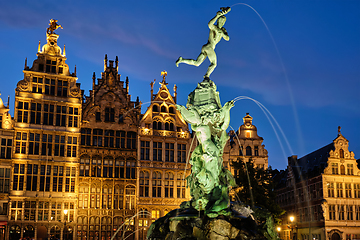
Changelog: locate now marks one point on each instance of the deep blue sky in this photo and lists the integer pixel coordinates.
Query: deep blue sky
(318, 42)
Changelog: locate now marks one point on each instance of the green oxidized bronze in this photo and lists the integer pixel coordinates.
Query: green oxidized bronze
(209, 181)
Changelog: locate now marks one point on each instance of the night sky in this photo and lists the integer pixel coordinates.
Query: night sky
(305, 70)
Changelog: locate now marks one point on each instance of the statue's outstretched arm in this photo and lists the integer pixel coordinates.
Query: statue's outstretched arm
(190, 115)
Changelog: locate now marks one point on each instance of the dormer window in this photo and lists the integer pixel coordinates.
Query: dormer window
(50, 66)
(155, 108)
(109, 115)
(163, 109)
(341, 153)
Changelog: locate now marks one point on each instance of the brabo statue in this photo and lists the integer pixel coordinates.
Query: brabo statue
(217, 32)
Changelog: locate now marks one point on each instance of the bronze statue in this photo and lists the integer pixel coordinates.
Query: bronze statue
(53, 26)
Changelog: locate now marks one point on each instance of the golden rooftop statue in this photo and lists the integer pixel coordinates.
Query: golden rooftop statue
(53, 26)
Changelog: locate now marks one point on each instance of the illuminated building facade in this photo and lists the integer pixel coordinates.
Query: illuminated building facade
(6, 147)
(321, 191)
(163, 146)
(44, 162)
(245, 144)
(107, 171)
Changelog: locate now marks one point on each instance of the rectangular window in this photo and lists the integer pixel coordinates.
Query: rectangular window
(335, 168)
(109, 138)
(157, 151)
(62, 88)
(130, 170)
(331, 212)
(60, 116)
(71, 146)
(357, 212)
(97, 137)
(73, 117)
(341, 211)
(181, 153)
(70, 179)
(350, 213)
(348, 190)
(34, 143)
(23, 112)
(50, 86)
(86, 136)
(169, 152)
(120, 139)
(46, 145)
(131, 140)
(35, 114)
(59, 149)
(21, 142)
(350, 169)
(4, 180)
(331, 190)
(256, 150)
(339, 190)
(6, 148)
(37, 84)
(45, 172)
(32, 177)
(18, 178)
(145, 150)
(109, 115)
(48, 115)
(356, 190)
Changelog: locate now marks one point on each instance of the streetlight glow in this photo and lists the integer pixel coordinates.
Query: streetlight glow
(65, 212)
(292, 218)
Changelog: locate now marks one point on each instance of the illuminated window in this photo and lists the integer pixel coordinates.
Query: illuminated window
(23, 112)
(45, 172)
(71, 146)
(157, 151)
(331, 212)
(356, 190)
(145, 150)
(156, 184)
(29, 210)
(169, 185)
(181, 153)
(21, 141)
(180, 185)
(70, 179)
(58, 173)
(85, 166)
(144, 183)
(106, 197)
(341, 153)
(348, 190)
(43, 211)
(34, 143)
(130, 169)
(357, 212)
(248, 134)
(108, 167)
(130, 197)
(35, 114)
(96, 165)
(155, 214)
(118, 198)
(16, 210)
(341, 212)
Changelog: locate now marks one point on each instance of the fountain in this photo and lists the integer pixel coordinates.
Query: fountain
(209, 214)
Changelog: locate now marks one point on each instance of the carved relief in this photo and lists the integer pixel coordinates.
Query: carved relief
(24, 85)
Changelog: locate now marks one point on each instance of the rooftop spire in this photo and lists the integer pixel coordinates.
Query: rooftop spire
(117, 63)
(64, 53)
(105, 62)
(164, 74)
(39, 47)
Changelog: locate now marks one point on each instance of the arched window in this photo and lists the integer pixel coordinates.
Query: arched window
(342, 170)
(156, 184)
(83, 196)
(108, 167)
(155, 108)
(157, 125)
(96, 166)
(172, 127)
(144, 183)
(171, 109)
(167, 126)
(163, 109)
(341, 153)
(130, 197)
(29, 231)
(248, 151)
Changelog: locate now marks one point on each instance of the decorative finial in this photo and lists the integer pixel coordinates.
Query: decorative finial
(175, 92)
(127, 84)
(64, 53)
(152, 89)
(117, 63)
(25, 63)
(75, 70)
(53, 26)
(93, 78)
(39, 47)
(164, 74)
(105, 62)
(339, 129)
